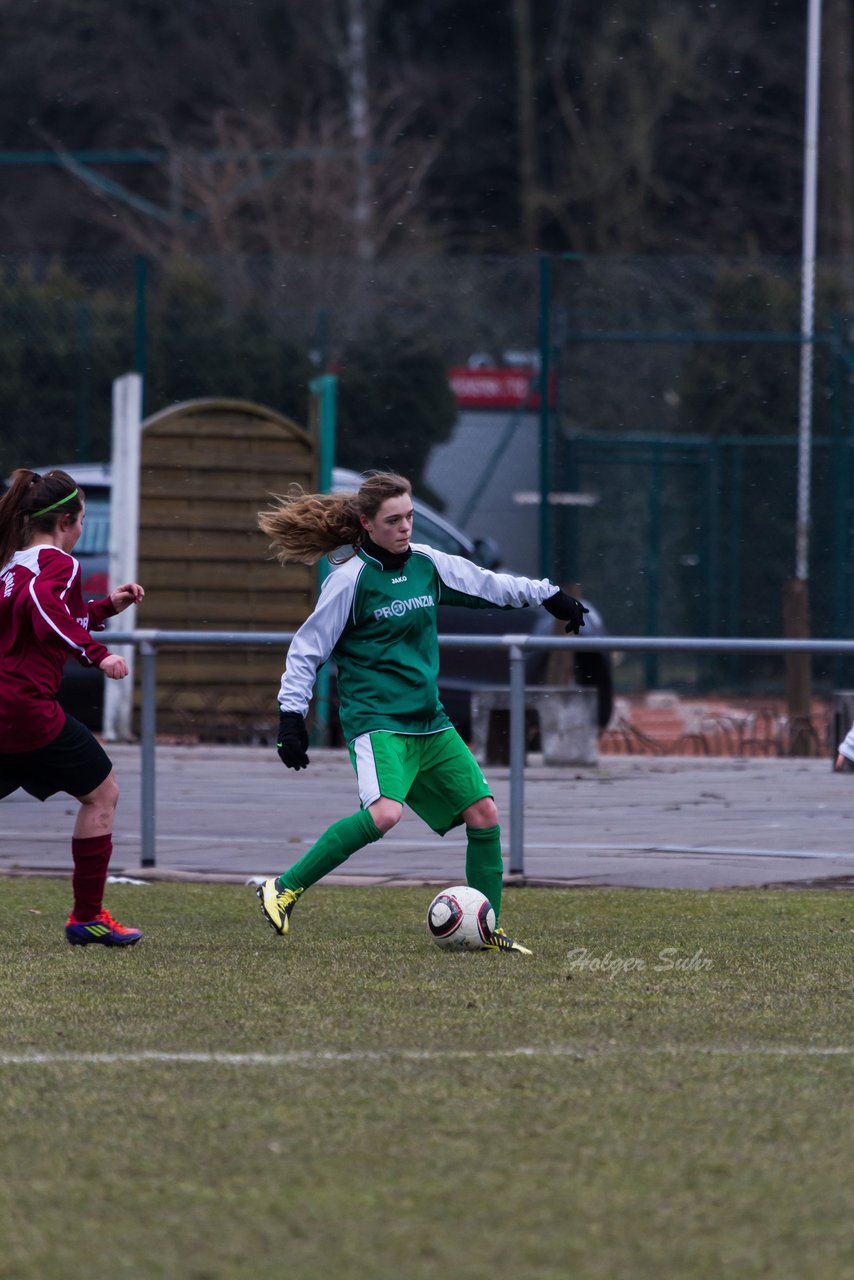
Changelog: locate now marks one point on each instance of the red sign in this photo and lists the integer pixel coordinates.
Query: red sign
(498, 388)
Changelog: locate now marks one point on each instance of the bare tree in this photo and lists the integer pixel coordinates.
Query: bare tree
(356, 126)
(656, 125)
(608, 103)
(243, 190)
(355, 66)
(836, 189)
(530, 196)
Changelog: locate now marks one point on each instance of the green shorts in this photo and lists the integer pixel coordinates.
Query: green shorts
(434, 773)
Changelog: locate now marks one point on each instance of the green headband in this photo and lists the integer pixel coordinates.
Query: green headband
(35, 514)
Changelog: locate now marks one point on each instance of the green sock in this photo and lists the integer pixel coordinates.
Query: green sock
(484, 864)
(334, 847)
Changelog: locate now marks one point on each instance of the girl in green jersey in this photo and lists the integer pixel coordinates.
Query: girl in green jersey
(376, 616)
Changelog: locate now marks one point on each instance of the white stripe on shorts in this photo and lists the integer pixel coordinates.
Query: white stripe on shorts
(366, 770)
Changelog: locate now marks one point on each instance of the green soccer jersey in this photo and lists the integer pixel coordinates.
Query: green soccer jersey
(380, 626)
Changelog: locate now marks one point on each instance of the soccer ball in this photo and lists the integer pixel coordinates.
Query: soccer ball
(460, 919)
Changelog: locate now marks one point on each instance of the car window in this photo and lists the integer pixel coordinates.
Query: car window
(426, 530)
(95, 538)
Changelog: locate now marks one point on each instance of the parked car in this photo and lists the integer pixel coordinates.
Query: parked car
(462, 669)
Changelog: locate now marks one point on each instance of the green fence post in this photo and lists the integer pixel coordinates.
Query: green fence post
(842, 434)
(566, 522)
(545, 459)
(572, 524)
(140, 358)
(326, 389)
(846, 518)
(713, 559)
(325, 392)
(732, 663)
(84, 389)
(653, 566)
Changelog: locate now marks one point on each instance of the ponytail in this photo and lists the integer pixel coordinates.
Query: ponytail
(34, 503)
(302, 527)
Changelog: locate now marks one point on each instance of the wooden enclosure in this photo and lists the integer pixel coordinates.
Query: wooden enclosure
(207, 468)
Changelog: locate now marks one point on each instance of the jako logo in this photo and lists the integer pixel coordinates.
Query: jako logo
(8, 581)
(398, 608)
(402, 578)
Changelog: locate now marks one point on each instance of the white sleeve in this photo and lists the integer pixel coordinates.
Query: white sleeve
(846, 746)
(317, 637)
(500, 589)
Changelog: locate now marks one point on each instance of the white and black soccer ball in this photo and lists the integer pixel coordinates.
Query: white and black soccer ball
(460, 919)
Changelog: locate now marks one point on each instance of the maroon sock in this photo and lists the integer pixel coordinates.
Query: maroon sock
(91, 859)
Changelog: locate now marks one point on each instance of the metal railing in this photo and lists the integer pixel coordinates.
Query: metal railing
(148, 642)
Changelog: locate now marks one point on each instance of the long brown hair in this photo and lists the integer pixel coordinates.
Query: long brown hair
(303, 527)
(31, 493)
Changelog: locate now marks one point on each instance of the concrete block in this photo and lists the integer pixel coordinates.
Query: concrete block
(567, 723)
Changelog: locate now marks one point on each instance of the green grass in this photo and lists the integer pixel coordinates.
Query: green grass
(667, 1122)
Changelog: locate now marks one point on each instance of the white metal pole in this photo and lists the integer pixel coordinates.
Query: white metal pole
(808, 289)
(124, 540)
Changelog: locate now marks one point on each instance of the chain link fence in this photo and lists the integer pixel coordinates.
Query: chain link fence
(666, 446)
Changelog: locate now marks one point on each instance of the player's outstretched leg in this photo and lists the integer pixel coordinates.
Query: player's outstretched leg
(344, 837)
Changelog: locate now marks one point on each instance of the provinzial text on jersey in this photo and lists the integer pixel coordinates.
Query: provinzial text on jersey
(398, 608)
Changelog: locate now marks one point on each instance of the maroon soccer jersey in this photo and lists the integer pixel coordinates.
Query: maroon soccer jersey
(43, 621)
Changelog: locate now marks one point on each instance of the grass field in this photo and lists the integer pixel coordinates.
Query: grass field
(664, 1089)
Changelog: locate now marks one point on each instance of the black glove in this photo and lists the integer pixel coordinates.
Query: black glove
(567, 609)
(292, 742)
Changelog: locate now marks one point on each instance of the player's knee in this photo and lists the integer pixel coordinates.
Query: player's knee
(483, 813)
(103, 799)
(111, 793)
(386, 814)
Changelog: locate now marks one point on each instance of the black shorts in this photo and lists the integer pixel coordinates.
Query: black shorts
(74, 762)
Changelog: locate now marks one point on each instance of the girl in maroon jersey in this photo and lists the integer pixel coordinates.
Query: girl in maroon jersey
(44, 620)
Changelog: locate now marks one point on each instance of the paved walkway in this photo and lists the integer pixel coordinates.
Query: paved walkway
(235, 812)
